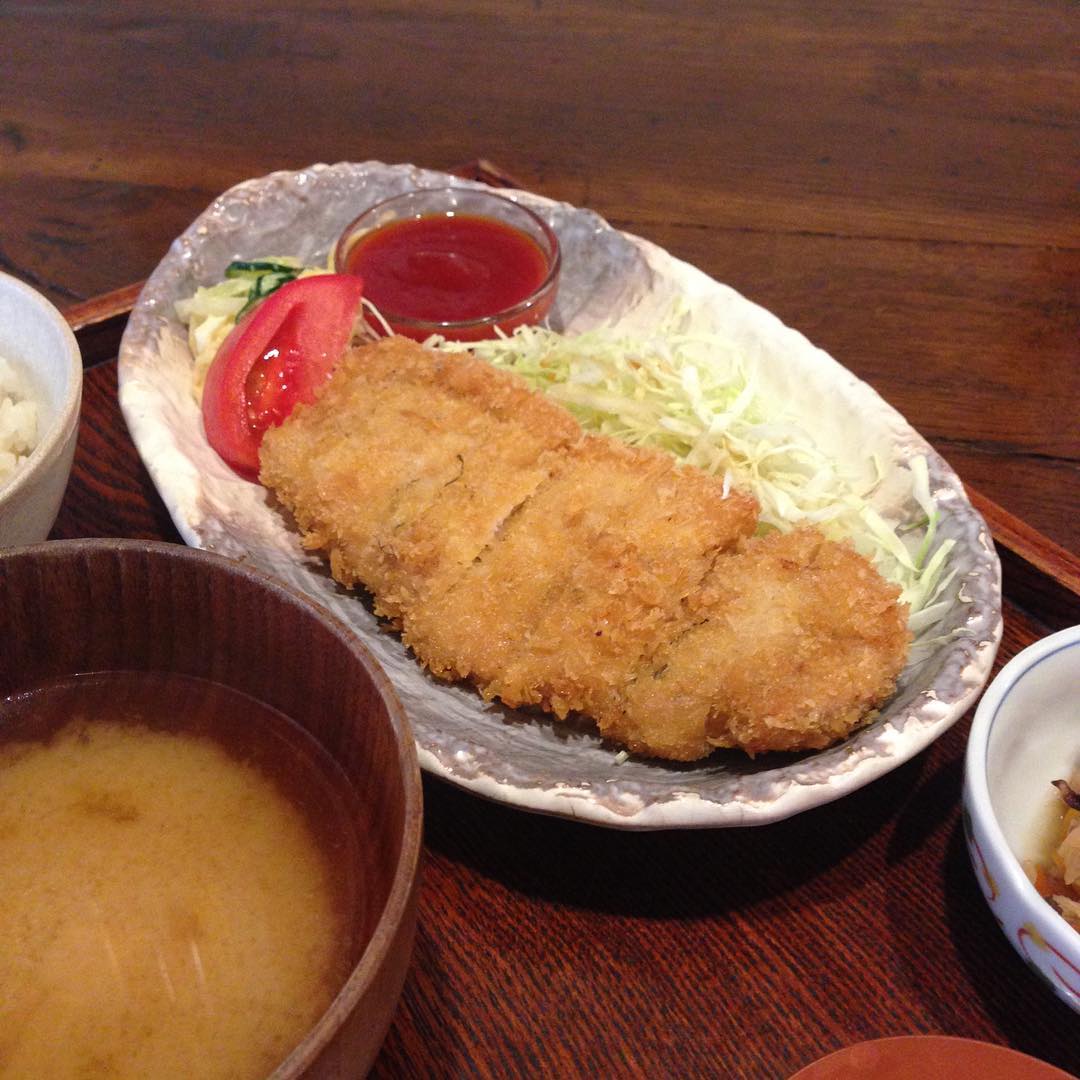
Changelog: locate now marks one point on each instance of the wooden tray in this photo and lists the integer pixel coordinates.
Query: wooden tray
(548, 948)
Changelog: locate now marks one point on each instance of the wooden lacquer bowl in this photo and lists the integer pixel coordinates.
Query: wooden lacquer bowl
(69, 607)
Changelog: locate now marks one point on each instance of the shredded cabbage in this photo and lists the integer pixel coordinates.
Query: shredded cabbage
(692, 395)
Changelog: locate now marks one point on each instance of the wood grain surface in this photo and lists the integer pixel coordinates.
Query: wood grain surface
(898, 180)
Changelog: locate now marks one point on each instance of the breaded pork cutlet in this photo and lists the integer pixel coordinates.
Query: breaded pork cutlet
(408, 464)
(789, 645)
(575, 573)
(586, 577)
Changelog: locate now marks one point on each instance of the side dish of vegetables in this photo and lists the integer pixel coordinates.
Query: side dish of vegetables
(1057, 878)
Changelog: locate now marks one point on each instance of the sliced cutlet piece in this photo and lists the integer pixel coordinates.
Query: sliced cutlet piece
(408, 461)
(793, 642)
(587, 577)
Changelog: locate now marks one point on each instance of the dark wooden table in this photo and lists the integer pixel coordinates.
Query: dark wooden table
(896, 179)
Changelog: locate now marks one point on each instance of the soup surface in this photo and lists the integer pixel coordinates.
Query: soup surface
(177, 868)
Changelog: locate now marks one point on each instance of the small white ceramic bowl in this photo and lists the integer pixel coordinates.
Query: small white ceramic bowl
(1026, 734)
(35, 337)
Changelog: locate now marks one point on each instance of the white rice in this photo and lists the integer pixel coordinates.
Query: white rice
(18, 419)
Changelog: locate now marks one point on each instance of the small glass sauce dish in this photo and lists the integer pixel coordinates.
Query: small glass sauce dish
(461, 262)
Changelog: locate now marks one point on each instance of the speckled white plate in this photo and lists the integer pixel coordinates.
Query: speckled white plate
(527, 760)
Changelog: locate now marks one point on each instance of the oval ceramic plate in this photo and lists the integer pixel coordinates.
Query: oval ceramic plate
(524, 759)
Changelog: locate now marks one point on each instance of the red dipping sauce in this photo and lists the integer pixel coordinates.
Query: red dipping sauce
(462, 274)
(439, 268)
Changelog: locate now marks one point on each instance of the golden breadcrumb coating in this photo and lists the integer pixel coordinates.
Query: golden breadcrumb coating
(405, 467)
(587, 576)
(790, 645)
(577, 574)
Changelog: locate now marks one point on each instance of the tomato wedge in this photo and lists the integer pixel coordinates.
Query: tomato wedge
(276, 357)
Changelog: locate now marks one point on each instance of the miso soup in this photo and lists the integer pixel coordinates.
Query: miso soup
(179, 867)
